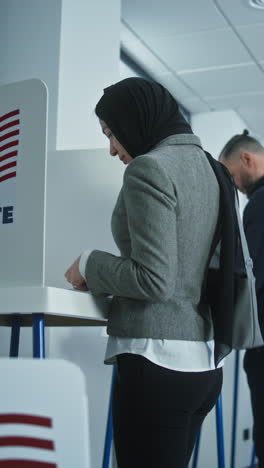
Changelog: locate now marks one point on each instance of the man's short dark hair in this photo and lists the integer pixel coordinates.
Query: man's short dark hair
(239, 143)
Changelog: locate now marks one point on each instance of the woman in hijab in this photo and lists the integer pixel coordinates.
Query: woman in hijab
(160, 334)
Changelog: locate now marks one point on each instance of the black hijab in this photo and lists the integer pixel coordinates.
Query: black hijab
(140, 114)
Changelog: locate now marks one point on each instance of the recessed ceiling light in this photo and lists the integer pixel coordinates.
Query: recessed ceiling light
(257, 4)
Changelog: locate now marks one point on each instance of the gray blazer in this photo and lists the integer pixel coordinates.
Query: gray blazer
(163, 224)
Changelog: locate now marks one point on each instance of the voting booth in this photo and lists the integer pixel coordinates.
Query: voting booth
(25, 299)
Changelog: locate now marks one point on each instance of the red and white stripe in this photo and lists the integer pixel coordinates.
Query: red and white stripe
(9, 141)
(26, 441)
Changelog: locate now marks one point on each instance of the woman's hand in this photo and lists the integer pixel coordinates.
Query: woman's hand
(74, 277)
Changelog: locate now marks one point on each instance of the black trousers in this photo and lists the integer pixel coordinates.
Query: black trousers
(157, 412)
(254, 368)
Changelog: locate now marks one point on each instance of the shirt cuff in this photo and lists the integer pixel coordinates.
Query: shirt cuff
(83, 260)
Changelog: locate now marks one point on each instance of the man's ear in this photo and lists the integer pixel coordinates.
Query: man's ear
(247, 159)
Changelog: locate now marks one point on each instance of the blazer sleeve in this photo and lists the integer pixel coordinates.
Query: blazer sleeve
(149, 273)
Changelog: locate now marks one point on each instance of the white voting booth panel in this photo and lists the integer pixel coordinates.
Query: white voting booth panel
(23, 115)
(23, 137)
(43, 414)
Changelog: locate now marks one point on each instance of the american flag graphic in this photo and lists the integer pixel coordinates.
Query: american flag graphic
(22, 433)
(9, 140)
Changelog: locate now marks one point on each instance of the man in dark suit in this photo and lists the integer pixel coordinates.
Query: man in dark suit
(244, 158)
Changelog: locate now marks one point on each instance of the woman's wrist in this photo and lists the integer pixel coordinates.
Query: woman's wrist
(83, 261)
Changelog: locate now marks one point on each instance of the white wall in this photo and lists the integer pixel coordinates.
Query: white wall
(30, 47)
(215, 129)
(89, 61)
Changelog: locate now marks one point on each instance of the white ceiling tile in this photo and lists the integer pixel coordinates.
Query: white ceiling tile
(175, 86)
(258, 111)
(190, 47)
(253, 36)
(219, 103)
(155, 18)
(240, 13)
(238, 101)
(195, 106)
(139, 52)
(144, 58)
(206, 49)
(214, 83)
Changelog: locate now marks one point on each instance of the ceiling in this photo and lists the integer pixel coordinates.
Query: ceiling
(208, 53)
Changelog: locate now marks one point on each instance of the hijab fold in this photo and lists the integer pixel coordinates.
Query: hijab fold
(140, 113)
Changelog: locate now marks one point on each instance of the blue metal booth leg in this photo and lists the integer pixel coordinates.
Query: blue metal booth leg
(253, 457)
(235, 403)
(38, 336)
(109, 427)
(220, 433)
(15, 335)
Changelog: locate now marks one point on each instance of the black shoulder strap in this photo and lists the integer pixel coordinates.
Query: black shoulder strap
(224, 230)
(217, 235)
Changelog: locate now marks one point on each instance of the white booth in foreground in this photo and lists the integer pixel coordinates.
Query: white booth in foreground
(45, 423)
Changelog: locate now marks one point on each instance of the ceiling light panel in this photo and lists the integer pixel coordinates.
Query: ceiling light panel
(257, 4)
